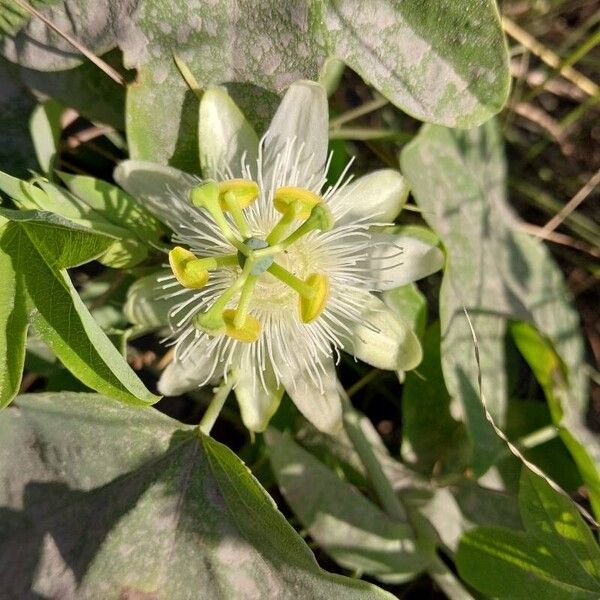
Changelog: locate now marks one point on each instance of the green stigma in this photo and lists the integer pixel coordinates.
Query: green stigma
(254, 256)
(261, 264)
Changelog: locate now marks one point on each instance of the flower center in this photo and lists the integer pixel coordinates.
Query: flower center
(256, 257)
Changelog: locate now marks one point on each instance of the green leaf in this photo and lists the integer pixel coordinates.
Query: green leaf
(45, 129)
(497, 273)
(36, 248)
(445, 63)
(115, 205)
(107, 211)
(17, 154)
(13, 327)
(84, 88)
(555, 558)
(462, 506)
(550, 371)
(409, 304)
(149, 507)
(530, 425)
(96, 24)
(432, 439)
(350, 528)
(13, 17)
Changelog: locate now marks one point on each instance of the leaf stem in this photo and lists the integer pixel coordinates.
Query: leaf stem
(359, 111)
(188, 76)
(366, 133)
(216, 404)
(383, 488)
(447, 580)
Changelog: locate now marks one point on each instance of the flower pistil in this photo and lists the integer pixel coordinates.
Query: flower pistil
(254, 256)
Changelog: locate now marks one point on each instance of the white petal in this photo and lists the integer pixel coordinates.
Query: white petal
(145, 305)
(163, 190)
(224, 135)
(397, 259)
(301, 119)
(143, 179)
(257, 404)
(321, 406)
(383, 339)
(378, 196)
(181, 376)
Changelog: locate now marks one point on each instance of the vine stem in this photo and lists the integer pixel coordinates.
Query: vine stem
(355, 113)
(447, 580)
(216, 404)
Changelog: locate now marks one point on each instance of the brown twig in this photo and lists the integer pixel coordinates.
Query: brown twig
(166, 359)
(545, 121)
(112, 73)
(572, 204)
(549, 57)
(560, 238)
(81, 137)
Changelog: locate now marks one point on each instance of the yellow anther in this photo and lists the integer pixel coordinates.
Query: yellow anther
(245, 192)
(304, 199)
(190, 271)
(313, 304)
(248, 331)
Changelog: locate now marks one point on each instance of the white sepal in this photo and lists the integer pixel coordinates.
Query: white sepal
(298, 130)
(224, 136)
(378, 197)
(320, 405)
(396, 259)
(381, 338)
(258, 397)
(146, 305)
(181, 376)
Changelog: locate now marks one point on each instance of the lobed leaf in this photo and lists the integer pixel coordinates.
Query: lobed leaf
(149, 507)
(35, 249)
(99, 206)
(556, 557)
(350, 528)
(550, 372)
(497, 273)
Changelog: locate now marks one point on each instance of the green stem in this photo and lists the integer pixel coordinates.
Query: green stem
(216, 404)
(238, 214)
(360, 384)
(282, 226)
(447, 580)
(383, 488)
(188, 77)
(290, 279)
(244, 302)
(357, 112)
(366, 133)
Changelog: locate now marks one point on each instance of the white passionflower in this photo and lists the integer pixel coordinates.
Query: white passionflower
(273, 273)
